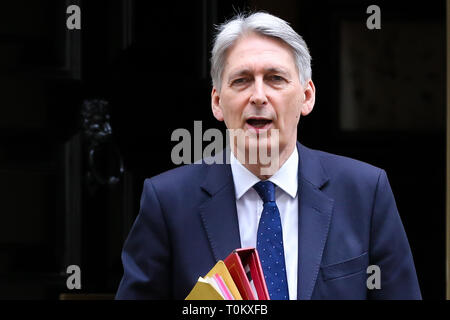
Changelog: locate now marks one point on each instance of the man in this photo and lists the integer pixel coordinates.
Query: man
(318, 220)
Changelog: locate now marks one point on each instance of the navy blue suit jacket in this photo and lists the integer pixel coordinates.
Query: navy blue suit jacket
(348, 220)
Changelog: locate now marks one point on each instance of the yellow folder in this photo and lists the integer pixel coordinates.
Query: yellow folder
(222, 270)
(203, 290)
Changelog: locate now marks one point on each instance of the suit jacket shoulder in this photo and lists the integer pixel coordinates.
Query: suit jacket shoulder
(343, 168)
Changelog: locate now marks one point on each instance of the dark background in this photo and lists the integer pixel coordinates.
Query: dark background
(149, 60)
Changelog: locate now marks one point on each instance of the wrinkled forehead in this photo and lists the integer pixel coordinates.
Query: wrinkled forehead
(251, 49)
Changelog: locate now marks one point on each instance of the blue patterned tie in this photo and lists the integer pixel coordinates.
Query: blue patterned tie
(270, 243)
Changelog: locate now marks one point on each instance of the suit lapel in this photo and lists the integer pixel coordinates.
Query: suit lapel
(315, 211)
(218, 212)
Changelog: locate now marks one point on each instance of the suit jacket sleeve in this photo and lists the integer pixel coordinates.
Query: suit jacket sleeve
(389, 248)
(145, 256)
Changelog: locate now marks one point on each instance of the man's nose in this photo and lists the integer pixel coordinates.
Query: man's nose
(258, 97)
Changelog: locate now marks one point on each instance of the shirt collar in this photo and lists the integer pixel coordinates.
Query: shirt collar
(285, 177)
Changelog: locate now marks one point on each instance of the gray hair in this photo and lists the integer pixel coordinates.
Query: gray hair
(264, 24)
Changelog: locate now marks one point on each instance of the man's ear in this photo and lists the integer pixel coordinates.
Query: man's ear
(309, 98)
(215, 105)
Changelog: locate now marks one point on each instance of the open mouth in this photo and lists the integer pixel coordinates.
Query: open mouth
(259, 123)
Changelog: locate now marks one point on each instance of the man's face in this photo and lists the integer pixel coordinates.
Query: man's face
(261, 90)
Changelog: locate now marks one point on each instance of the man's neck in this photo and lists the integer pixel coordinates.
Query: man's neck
(257, 168)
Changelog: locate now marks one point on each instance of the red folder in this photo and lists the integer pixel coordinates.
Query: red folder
(236, 263)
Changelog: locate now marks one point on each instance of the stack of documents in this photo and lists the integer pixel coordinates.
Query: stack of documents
(238, 277)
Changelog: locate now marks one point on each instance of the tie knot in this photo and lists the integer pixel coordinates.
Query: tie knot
(266, 190)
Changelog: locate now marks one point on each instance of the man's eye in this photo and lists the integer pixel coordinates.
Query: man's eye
(276, 78)
(240, 81)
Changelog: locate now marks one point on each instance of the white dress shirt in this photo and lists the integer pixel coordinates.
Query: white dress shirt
(249, 208)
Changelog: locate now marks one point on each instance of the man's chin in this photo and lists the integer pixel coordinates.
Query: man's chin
(259, 150)
(256, 147)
